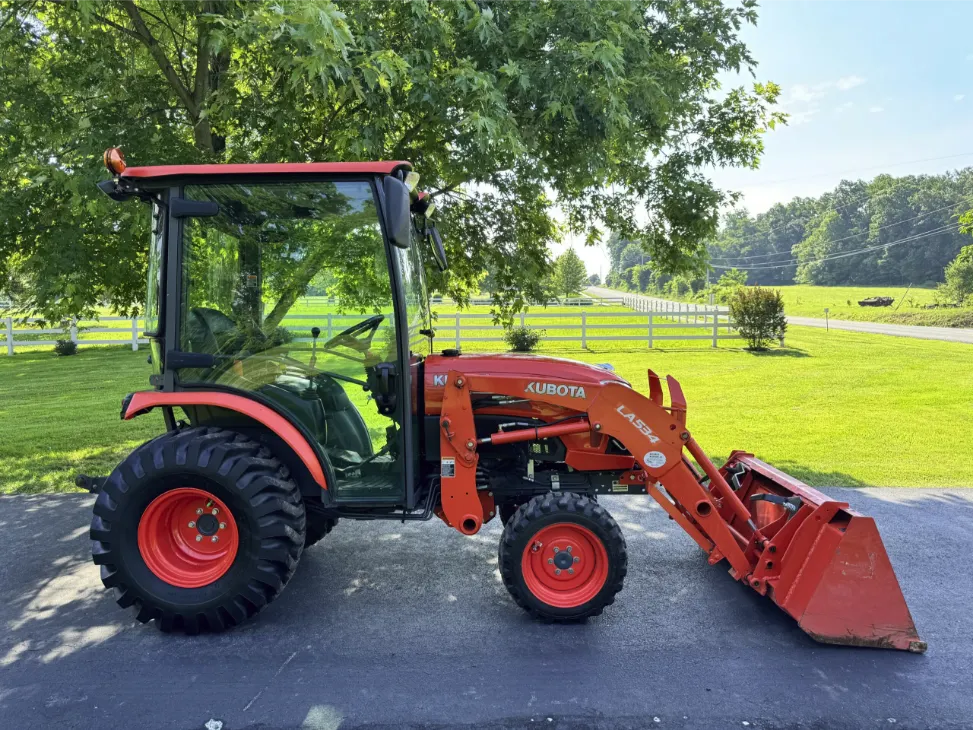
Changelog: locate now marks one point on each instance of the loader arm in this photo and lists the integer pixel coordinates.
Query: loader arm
(819, 561)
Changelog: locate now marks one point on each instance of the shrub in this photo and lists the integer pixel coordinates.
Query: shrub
(64, 348)
(758, 315)
(522, 339)
(958, 288)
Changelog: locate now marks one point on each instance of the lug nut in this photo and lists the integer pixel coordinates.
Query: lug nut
(556, 550)
(569, 548)
(222, 525)
(571, 571)
(550, 561)
(199, 511)
(557, 572)
(199, 538)
(215, 538)
(577, 560)
(192, 524)
(215, 511)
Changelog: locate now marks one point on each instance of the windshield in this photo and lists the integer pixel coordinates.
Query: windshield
(289, 289)
(278, 262)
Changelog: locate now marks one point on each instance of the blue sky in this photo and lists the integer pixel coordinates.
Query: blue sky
(871, 87)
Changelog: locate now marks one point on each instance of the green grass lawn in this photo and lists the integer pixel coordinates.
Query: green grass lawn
(836, 408)
(810, 301)
(842, 301)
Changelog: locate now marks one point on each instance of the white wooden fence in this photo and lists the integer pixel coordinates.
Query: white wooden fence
(130, 333)
(647, 325)
(584, 327)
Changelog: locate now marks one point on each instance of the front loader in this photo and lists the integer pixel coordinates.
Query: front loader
(273, 435)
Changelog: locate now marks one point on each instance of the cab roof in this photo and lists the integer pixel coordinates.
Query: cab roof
(272, 168)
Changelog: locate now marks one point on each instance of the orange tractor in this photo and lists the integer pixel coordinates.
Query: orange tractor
(273, 434)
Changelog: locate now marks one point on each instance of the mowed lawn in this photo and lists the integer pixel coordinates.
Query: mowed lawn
(909, 306)
(836, 408)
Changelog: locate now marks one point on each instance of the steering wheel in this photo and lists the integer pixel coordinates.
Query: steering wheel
(351, 336)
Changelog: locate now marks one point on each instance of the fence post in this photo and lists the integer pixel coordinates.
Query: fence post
(716, 326)
(74, 331)
(521, 319)
(650, 330)
(457, 330)
(135, 334)
(584, 332)
(10, 335)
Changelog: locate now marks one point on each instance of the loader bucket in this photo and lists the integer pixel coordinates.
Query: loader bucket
(820, 561)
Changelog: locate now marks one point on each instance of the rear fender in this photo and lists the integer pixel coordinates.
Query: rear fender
(143, 401)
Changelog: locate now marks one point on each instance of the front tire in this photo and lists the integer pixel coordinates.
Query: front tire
(198, 529)
(563, 557)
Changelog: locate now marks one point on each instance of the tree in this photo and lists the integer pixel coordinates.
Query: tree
(594, 280)
(484, 98)
(958, 287)
(570, 276)
(894, 231)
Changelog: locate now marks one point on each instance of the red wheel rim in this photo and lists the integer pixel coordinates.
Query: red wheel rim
(176, 537)
(565, 565)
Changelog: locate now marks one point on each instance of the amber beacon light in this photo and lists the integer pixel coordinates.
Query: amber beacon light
(114, 160)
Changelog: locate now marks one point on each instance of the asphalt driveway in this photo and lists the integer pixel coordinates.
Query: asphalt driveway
(391, 625)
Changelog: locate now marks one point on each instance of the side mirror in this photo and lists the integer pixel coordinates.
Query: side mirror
(438, 250)
(397, 217)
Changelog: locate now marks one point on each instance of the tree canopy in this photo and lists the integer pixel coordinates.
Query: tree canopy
(885, 231)
(890, 230)
(570, 276)
(505, 109)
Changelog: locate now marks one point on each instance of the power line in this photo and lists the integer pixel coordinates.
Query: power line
(727, 259)
(836, 207)
(879, 196)
(832, 257)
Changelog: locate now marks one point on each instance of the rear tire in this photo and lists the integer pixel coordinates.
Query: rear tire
(146, 516)
(563, 557)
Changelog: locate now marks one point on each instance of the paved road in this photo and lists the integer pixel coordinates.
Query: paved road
(949, 334)
(390, 625)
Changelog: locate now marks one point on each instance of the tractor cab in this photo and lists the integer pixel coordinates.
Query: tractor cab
(301, 288)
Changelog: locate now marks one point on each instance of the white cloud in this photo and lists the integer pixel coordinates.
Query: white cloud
(798, 118)
(805, 93)
(849, 82)
(843, 107)
(959, 97)
(876, 109)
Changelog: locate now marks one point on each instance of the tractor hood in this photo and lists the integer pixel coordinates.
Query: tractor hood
(531, 366)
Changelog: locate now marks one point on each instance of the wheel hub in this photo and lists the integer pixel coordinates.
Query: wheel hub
(207, 525)
(563, 560)
(565, 565)
(187, 537)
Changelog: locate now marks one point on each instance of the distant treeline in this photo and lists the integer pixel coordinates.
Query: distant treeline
(839, 238)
